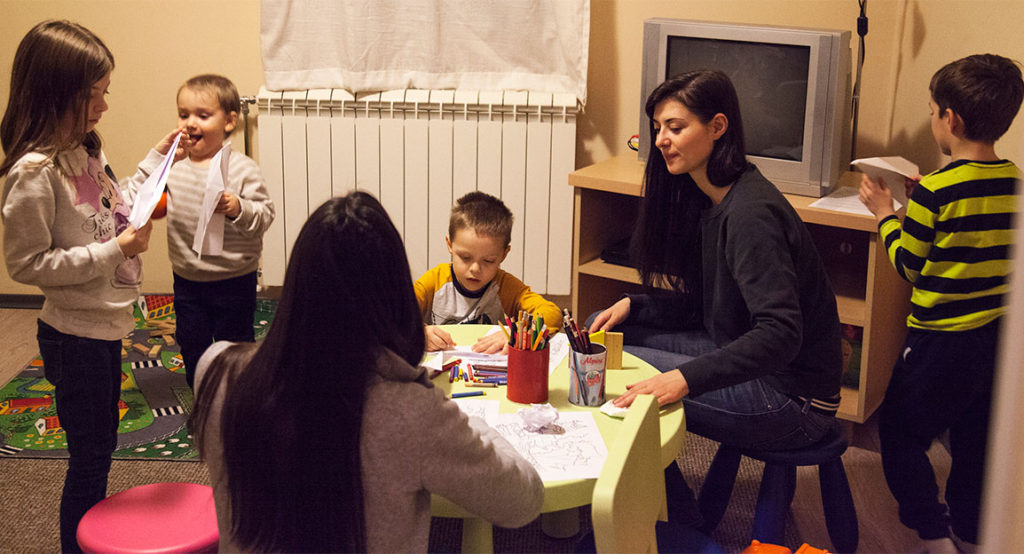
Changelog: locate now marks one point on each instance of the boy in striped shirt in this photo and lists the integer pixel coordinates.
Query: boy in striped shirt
(954, 247)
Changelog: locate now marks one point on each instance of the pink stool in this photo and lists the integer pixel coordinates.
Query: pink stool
(161, 517)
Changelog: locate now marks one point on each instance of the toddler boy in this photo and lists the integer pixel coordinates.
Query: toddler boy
(954, 248)
(473, 288)
(214, 295)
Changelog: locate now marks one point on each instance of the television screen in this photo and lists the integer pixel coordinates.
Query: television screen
(793, 86)
(770, 81)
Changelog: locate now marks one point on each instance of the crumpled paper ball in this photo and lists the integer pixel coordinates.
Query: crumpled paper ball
(538, 416)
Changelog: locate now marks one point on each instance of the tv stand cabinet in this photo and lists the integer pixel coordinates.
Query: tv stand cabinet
(869, 292)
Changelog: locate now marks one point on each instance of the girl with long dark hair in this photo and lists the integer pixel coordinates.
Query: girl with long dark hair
(748, 334)
(326, 436)
(67, 232)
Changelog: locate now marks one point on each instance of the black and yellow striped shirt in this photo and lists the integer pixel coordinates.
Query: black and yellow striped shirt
(954, 245)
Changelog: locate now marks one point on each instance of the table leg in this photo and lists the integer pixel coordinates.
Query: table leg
(477, 535)
(561, 524)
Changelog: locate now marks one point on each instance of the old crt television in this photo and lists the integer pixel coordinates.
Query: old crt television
(793, 85)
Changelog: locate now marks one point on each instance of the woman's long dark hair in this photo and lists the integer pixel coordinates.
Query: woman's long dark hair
(666, 243)
(55, 66)
(292, 413)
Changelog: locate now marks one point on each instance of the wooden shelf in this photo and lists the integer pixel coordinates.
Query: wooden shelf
(599, 268)
(869, 293)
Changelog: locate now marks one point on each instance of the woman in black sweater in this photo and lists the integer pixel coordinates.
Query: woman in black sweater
(748, 336)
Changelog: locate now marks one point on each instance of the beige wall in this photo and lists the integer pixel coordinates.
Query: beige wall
(159, 44)
(907, 41)
(156, 47)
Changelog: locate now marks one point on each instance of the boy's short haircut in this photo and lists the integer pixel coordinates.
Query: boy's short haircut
(985, 90)
(485, 214)
(221, 87)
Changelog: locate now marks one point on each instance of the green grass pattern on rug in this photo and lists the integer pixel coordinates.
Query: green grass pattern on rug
(155, 400)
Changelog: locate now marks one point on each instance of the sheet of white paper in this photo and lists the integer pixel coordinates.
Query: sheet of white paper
(573, 449)
(844, 199)
(148, 195)
(466, 354)
(209, 238)
(893, 170)
(559, 345)
(434, 361)
(486, 410)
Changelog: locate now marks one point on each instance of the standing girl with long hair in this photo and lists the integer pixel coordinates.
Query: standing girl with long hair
(326, 436)
(748, 337)
(67, 232)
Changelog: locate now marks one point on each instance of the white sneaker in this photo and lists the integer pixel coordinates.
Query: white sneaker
(944, 545)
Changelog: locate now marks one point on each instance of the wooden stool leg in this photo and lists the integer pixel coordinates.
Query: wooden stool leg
(717, 488)
(836, 499)
(778, 483)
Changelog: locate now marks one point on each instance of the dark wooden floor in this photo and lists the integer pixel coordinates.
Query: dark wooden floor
(880, 531)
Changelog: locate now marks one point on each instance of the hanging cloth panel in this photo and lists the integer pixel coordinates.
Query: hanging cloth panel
(372, 45)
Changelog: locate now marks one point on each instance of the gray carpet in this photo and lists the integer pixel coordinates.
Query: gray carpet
(30, 496)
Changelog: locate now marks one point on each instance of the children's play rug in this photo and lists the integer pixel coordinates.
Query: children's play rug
(155, 400)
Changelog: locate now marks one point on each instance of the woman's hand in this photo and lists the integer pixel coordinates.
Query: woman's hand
(134, 241)
(877, 197)
(184, 145)
(437, 338)
(608, 319)
(491, 344)
(667, 388)
(228, 205)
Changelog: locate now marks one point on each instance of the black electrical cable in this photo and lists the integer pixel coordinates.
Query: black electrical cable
(862, 30)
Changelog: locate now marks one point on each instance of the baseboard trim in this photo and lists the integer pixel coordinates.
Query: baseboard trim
(21, 301)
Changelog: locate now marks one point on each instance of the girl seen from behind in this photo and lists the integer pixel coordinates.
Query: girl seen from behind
(326, 436)
(67, 232)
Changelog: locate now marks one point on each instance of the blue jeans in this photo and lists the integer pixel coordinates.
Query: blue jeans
(86, 374)
(211, 311)
(748, 415)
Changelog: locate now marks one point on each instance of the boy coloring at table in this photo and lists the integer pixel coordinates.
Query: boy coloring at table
(473, 288)
(214, 294)
(954, 247)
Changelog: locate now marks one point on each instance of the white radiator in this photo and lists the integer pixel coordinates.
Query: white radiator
(418, 151)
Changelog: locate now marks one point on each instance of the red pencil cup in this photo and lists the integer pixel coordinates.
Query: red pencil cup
(528, 375)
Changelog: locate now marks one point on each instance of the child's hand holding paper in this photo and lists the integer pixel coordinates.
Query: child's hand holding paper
(892, 171)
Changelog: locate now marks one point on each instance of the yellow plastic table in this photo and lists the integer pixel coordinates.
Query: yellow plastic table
(561, 498)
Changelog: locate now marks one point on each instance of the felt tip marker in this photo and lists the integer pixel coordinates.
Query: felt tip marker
(470, 393)
(481, 384)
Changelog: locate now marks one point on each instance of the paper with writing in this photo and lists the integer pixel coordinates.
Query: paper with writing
(570, 448)
(148, 195)
(209, 237)
(486, 410)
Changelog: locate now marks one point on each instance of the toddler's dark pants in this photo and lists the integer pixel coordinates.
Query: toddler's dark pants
(209, 311)
(942, 381)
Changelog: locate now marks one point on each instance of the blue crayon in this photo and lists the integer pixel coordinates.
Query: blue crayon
(465, 394)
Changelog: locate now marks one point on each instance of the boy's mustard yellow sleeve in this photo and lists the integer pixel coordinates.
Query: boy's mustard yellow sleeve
(425, 288)
(515, 296)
